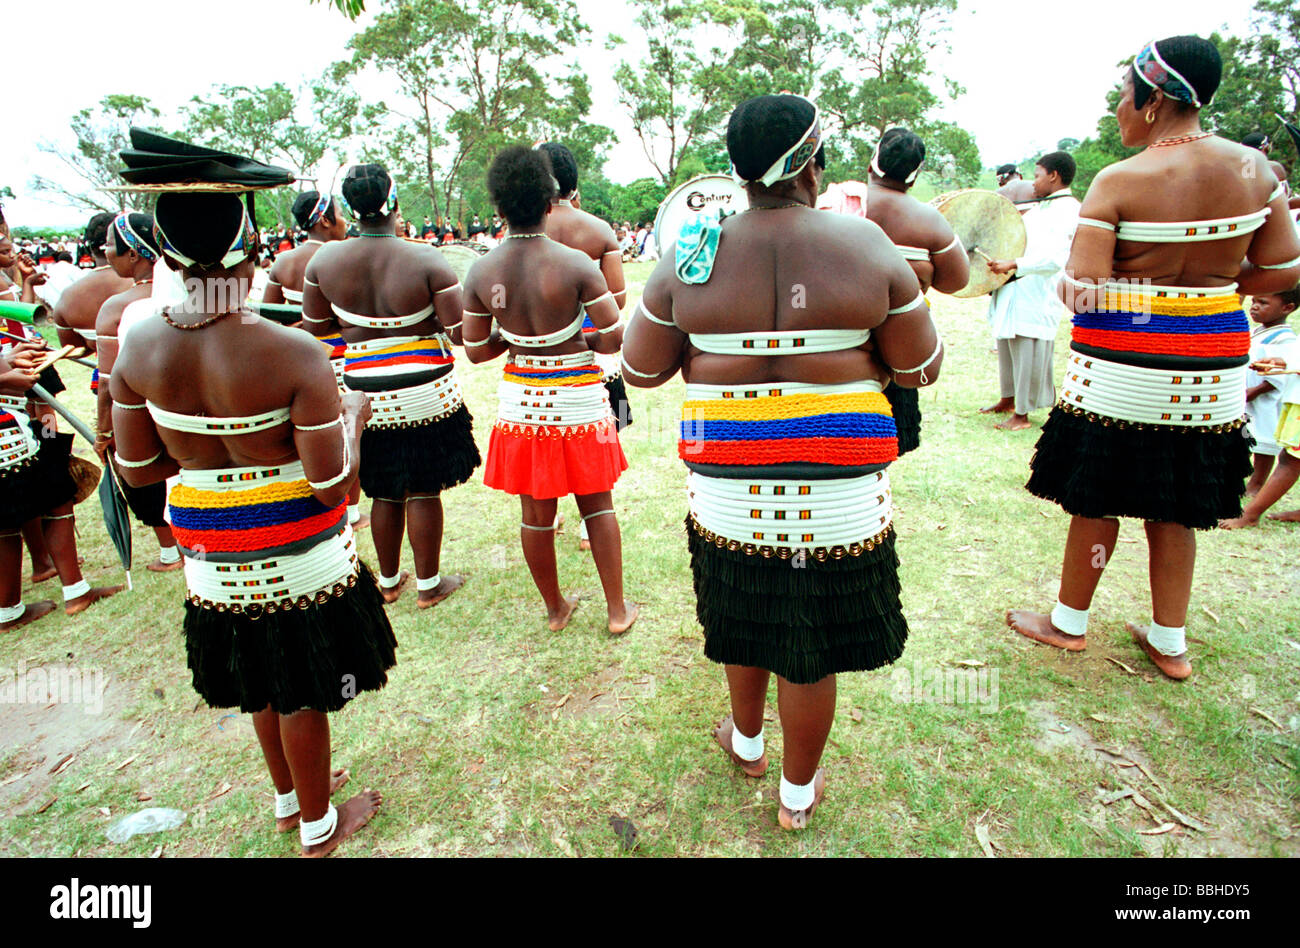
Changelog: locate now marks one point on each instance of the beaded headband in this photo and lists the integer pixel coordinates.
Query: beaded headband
(799, 154)
(122, 224)
(1152, 69)
(318, 211)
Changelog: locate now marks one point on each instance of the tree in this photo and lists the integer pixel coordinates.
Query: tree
(268, 123)
(476, 75)
(101, 132)
(675, 95)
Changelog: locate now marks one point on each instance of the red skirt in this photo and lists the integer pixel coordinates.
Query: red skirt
(544, 462)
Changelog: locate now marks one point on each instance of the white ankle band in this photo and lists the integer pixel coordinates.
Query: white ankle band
(424, 585)
(797, 797)
(286, 804)
(354, 514)
(388, 582)
(75, 590)
(169, 554)
(1167, 640)
(747, 748)
(1070, 621)
(317, 831)
(12, 613)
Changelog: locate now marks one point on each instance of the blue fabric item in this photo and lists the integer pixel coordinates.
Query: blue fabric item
(697, 248)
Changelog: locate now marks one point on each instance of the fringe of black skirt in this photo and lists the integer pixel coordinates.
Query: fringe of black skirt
(906, 406)
(39, 485)
(421, 459)
(802, 622)
(1165, 474)
(316, 658)
(618, 402)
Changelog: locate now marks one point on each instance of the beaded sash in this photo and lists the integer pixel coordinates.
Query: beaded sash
(410, 380)
(257, 539)
(17, 443)
(554, 394)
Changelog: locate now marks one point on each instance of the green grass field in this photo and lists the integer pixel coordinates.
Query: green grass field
(497, 737)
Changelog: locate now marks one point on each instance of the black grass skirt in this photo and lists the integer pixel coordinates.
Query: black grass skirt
(35, 488)
(1164, 474)
(906, 406)
(802, 623)
(317, 658)
(618, 402)
(50, 381)
(421, 459)
(147, 504)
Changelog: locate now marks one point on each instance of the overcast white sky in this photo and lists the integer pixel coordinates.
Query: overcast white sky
(1023, 94)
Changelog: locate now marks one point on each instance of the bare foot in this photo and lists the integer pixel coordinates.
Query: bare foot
(798, 819)
(558, 526)
(338, 780)
(1176, 667)
(158, 566)
(558, 620)
(34, 611)
(584, 544)
(82, 603)
(353, 815)
(1038, 626)
(1239, 523)
(445, 588)
(1000, 407)
(1014, 423)
(1291, 516)
(722, 734)
(392, 593)
(362, 524)
(624, 622)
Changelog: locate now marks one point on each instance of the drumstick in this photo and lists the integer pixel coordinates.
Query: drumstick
(986, 257)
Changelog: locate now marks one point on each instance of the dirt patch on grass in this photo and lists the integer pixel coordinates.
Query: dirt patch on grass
(43, 739)
(608, 694)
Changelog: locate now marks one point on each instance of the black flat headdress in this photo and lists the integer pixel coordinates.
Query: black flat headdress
(165, 166)
(1293, 131)
(157, 163)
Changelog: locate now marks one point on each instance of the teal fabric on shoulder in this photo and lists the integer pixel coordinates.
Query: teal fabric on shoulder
(697, 248)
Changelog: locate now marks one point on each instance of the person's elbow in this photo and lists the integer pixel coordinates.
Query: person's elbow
(951, 279)
(1265, 281)
(921, 378)
(606, 343)
(478, 354)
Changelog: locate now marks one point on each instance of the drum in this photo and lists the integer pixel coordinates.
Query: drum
(461, 254)
(708, 192)
(990, 228)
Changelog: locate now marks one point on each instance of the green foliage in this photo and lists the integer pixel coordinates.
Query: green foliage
(475, 76)
(101, 132)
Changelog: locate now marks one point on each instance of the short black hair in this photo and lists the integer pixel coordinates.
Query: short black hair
(97, 230)
(303, 205)
(366, 189)
(1061, 163)
(900, 153)
(1006, 169)
(1196, 59)
(764, 128)
(563, 165)
(1290, 297)
(1256, 140)
(521, 185)
(202, 226)
(63, 257)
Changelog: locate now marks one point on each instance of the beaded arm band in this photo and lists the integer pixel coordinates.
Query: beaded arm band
(899, 310)
(938, 347)
(123, 462)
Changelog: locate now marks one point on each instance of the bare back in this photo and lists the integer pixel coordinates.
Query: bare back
(585, 232)
(789, 269)
(79, 304)
(1205, 180)
(534, 287)
(908, 222)
(380, 277)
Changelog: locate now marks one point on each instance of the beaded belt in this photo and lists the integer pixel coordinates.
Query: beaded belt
(410, 381)
(257, 540)
(554, 392)
(17, 443)
(1130, 393)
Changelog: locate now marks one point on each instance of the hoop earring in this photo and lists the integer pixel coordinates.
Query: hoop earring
(1151, 118)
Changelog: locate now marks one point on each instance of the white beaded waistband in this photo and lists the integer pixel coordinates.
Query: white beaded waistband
(792, 514)
(1154, 396)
